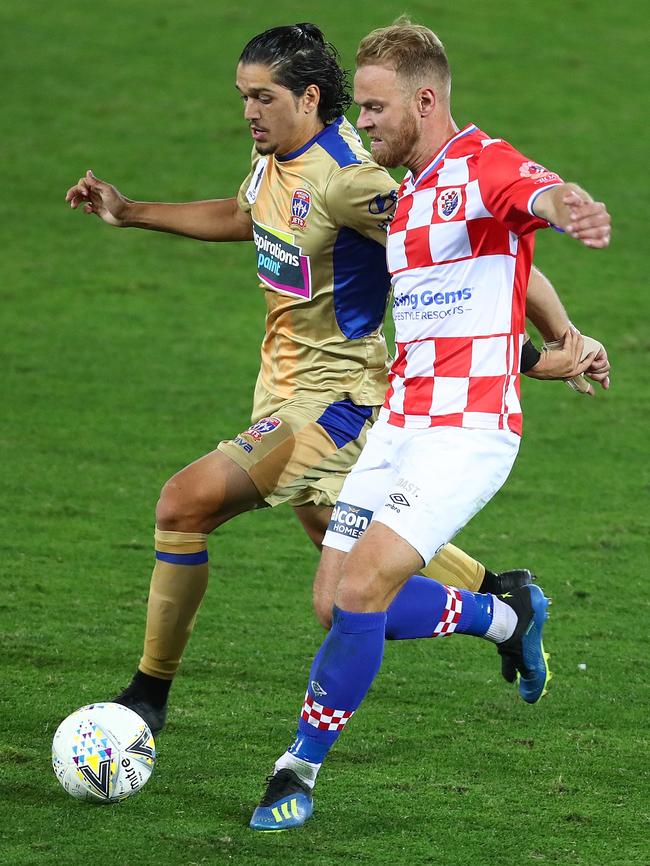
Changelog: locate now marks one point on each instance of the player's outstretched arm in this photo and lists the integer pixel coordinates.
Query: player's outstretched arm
(210, 220)
(571, 209)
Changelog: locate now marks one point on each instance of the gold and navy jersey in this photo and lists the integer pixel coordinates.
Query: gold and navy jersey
(319, 225)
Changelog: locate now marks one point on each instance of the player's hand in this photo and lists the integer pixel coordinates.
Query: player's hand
(600, 367)
(563, 359)
(592, 354)
(589, 221)
(100, 198)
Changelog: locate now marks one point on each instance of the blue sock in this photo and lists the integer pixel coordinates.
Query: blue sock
(341, 674)
(426, 608)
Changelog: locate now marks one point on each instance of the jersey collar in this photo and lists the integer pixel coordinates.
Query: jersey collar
(440, 155)
(294, 153)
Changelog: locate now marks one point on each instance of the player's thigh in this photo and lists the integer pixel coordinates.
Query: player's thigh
(444, 476)
(363, 490)
(208, 492)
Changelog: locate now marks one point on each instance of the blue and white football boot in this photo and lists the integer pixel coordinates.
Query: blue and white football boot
(523, 653)
(287, 803)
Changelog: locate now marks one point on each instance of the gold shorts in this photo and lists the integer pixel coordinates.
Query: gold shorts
(300, 450)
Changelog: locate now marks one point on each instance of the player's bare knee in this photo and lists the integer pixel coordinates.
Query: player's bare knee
(358, 592)
(169, 510)
(179, 510)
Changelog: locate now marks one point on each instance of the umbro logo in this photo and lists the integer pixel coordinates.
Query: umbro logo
(399, 499)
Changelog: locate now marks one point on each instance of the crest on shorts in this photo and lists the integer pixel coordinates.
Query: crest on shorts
(449, 202)
(264, 425)
(300, 206)
(256, 431)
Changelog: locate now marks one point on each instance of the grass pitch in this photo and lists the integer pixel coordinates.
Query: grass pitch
(126, 355)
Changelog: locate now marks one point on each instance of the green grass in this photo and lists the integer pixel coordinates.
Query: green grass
(126, 355)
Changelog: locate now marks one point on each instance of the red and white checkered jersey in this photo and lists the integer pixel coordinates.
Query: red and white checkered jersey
(460, 247)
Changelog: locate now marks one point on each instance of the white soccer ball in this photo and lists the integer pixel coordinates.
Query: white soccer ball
(103, 752)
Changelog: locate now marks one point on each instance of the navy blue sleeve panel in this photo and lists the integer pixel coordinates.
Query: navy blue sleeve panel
(361, 284)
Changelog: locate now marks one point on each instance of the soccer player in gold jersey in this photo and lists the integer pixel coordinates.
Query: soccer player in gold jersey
(316, 206)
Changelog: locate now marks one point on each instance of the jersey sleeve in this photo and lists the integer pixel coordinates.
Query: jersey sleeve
(509, 183)
(243, 201)
(362, 197)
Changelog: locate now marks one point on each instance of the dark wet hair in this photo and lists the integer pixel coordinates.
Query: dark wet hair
(298, 56)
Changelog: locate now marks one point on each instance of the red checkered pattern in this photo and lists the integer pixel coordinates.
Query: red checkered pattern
(324, 718)
(460, 248)
(451, 615)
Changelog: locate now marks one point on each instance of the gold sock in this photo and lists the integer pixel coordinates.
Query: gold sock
(453, 567)
(178, 583)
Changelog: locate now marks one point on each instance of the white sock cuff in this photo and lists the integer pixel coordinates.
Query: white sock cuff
(504, 621)
(305, 770)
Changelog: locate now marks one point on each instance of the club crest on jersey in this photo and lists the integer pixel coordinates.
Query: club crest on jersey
(449, 202)
(300, 206)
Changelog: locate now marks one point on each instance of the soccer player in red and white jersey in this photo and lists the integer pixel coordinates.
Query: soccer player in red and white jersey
(460, 250)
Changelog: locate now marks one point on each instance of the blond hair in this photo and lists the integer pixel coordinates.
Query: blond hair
(413, 51)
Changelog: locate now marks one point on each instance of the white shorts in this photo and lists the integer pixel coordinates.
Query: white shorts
(424, 484)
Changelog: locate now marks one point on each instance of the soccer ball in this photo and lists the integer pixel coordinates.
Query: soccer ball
(103, 752)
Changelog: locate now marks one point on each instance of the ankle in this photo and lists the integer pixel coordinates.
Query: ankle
(154, 689)
(504, 622)
(305, 770)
